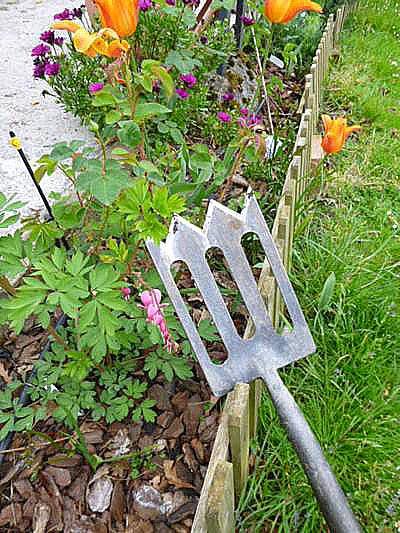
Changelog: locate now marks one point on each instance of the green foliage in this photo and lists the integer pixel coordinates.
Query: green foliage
(167, 364)
(13, 415)
(147, 210)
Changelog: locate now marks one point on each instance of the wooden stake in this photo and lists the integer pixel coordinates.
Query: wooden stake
(238, 426)
(220, 515)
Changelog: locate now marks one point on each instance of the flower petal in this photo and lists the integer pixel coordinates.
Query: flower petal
(67, 25)
(83, 42)
(327, 121)
(351, 129)
(298, 6)
(120, 15)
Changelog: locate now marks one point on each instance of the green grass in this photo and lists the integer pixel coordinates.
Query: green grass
(349, 390)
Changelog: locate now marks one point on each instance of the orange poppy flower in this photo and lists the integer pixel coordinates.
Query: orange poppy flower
(283, 11)
(120, 15)
(336, 133)
(106, 42)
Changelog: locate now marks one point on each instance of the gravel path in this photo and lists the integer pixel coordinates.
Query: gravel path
(39, 122)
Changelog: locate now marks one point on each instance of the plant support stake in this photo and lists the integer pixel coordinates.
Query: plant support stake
(16, 143)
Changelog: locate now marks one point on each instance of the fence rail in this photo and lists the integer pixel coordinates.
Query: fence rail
(228, 467)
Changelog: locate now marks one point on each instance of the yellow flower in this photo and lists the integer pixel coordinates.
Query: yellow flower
(336, 133)
(106, 42)
(120, 15)
(283, 11)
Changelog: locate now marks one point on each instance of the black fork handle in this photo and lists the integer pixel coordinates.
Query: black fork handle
(331, 498)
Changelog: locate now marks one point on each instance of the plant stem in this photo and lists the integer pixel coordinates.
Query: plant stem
(57, 337)
(6, 286)
(264, 85)
(234, 169)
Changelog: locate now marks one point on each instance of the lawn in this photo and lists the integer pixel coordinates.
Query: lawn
(349, 390)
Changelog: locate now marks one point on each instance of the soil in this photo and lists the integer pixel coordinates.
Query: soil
(45, 481)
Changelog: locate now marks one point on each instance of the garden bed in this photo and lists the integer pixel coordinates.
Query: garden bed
(151, 471)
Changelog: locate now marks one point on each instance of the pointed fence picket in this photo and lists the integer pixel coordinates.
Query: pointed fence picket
(228, 467)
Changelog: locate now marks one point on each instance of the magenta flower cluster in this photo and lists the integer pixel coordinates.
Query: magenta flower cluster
(224, 117)
(189, 81)
(43, 65)
(145, 5)
(151, 301)
(247, 119)
(49, 37)
(247, 21)
(95, 87)
(69, 14)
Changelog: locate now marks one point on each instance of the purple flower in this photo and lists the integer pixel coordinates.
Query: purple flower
(52, 69)
(59, 41)
(247, 21)
(38, 71)
(156, 86)
(170, 2)
(244, 111)
(224, 117)
(64, 15)
(47, 37)
(188, 79)
(253, 120)
(193, 3)
(182, 93)
(40, 50)
(145, 5)
(95, 87)
(77, 13)
(203, 39)
(249, 121)
(228, 97)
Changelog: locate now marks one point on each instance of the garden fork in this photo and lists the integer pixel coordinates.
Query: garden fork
(267, 351)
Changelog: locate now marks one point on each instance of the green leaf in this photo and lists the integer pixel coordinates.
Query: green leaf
(208, 331)
(103, 98)
(9, 426)
(87, 314)
(165, 78)
(327, 293)
(160, 201)
(182, 60)
(112, 117)
(147, 110)
(61, 151)
(104, 186)
(129, 133)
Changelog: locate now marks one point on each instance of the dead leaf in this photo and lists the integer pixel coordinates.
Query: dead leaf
(118, 503)
(174, 430)
(4, 374)
(172, 477)
(41, 516)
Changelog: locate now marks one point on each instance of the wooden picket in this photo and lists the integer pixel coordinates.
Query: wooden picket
(228, 468)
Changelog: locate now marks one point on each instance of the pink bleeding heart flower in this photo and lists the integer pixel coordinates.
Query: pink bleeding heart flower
(148, 297)
(151, 301)
(126, 293)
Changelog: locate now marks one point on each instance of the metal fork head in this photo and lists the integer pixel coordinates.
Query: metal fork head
(247, 359)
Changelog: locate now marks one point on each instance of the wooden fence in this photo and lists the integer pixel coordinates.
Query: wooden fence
(228, 468)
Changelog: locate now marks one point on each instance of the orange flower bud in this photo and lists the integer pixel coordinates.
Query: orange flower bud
(120, 15)
(336, 133)
(283, 11)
